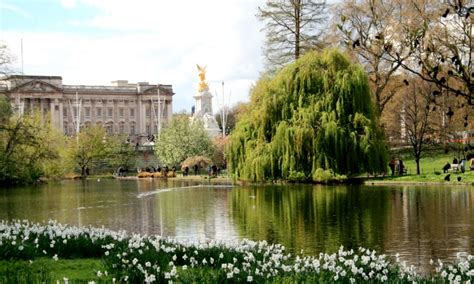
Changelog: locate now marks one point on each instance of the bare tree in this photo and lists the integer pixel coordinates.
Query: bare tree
(292, 27)
(371, 30)
(416, 112)
(231, 116)
(443, 45)
(5, 59)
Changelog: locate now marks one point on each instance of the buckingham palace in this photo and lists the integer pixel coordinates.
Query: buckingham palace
(136, 109)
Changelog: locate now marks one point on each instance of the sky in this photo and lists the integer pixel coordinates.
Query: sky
(94, 42)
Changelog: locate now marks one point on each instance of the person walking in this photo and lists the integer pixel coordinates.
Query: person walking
(391, 165)
(401, 167)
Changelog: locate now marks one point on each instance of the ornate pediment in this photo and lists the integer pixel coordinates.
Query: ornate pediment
(36, 86)
(154, 91)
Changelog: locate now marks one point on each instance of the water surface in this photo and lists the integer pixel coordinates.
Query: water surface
(419, 222)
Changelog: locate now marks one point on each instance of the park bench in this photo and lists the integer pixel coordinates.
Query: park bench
(454, 168)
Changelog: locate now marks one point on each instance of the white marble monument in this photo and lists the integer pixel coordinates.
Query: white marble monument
(203, 106)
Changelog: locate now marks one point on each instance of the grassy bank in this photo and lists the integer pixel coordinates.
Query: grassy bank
(431, 171)
(31, 253)
(49, 270)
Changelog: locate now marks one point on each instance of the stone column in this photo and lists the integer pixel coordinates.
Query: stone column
(16, 103)
(61, 115)
(170, 110)
(153, 117)
(41, 106)
(140, 115)
(115, 116)
(53, 112)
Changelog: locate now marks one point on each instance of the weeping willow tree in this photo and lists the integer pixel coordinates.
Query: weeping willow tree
(315, 116)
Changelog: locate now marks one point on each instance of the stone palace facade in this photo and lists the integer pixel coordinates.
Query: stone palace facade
(137, 110)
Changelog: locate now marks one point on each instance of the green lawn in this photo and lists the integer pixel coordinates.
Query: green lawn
(431, 170)
(47, 270)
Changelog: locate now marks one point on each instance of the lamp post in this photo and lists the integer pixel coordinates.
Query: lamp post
(223, 110)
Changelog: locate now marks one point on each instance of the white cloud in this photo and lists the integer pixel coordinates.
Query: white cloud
(68, 4)
(154, 41)
(13, 9)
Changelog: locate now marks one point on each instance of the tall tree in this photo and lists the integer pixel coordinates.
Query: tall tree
(27, 144)
(5, 59)
(371, 30)
(220, 143)
(181, 139)
(88, 148)
(120, 152)
(416, 111)
(316, 114)
(443, 45)
(292, 28)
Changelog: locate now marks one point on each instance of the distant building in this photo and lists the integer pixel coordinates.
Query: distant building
(122, 108)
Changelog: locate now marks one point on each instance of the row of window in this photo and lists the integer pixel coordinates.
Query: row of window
(99, 113)
(122, 128)
(110, 112)
(109, 127)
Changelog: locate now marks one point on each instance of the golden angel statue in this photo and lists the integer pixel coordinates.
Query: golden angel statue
(202, 78)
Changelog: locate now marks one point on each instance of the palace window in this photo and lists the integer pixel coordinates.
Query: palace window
(64, 111)
(121, 112)
(109, 127)
(148, 128)
(132, 129)
(148, 112)
(99, 112)
(121, 127)
(132, 112)
(87, 111)
(110, 112)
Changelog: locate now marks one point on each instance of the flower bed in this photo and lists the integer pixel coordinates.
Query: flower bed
(141, 258)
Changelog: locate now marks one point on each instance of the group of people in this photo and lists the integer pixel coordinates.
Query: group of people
(186, 170)
(212, 170)
(164, 171)
(458, 165)
(397, 167)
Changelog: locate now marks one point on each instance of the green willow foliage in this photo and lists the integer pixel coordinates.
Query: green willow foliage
(315, 116)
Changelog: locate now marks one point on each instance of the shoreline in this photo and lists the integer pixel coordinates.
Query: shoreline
(212, 180)
(438, 183)
(228, 180)
(363, 181)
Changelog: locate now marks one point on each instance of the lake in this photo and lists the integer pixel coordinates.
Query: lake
(418, 222)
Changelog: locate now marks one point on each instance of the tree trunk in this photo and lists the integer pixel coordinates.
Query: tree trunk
(297, 11)
(417, 160)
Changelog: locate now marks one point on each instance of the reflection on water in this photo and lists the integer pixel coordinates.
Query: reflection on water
(315, 219)
(420, 223)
